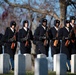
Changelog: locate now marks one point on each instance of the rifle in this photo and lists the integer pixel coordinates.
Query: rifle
(56, 41)
(46, 38)
(26, 39)
(68, 41)
(73, 30)
(14, 39)
(27, 42)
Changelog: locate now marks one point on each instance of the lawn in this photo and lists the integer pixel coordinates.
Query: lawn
(32, 73)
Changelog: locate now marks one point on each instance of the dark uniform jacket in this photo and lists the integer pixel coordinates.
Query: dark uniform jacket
(70, 27)
(8, 39)
(64, 34)
(54, 49)
(39, 37)
(71, 44)
(1, 36)
(25, 37)
(73, 41)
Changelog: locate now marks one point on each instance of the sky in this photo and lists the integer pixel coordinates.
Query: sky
(1, 10)
(55, 5)
(25, 1)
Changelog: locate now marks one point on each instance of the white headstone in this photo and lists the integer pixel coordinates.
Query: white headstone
(28, 62)
(61, 64)
(41, 66)
(4, 63)
(54, 62)
(19, 67)
(73, 63)
(41, 56)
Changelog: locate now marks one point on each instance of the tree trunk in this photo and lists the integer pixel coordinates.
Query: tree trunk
(63, 10)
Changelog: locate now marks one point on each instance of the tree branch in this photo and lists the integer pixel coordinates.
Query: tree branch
(73, 4)
(41, 11)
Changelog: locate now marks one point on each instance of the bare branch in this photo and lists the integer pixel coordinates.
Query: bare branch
(41, 11)
(73, 3)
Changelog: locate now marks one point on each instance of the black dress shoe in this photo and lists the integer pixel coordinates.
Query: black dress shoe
(69, 70)
(12, 69)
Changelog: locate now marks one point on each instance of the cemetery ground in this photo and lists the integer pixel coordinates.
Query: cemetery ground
(32, 73)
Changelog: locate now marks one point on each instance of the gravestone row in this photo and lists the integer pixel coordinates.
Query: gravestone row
(23, 63)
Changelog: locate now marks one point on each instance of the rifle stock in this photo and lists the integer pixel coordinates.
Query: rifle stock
(13, 41)
(55, 43)
(56, 40)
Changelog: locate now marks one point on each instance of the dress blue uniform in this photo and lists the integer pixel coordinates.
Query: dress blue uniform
(40, 37)
(9, 40)
(64, 34)
(53, 34)
(25, 36)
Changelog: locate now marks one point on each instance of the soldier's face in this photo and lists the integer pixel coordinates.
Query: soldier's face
(44, 24)
(26, 25)
(72, 21)
(13, 27)
(67, 24)
(57, 24)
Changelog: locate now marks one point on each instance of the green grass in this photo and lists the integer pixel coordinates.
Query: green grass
(32, 73)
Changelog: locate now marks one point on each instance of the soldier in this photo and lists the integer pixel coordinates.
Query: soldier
(41, 38)
(25, 36)
(73, 40)
(72, 22)
(10, 41)
(53, 34)
(64, 33)
(72, 29)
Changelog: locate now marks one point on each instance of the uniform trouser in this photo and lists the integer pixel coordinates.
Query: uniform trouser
(12, 62)
(40, 49)
(69, 65)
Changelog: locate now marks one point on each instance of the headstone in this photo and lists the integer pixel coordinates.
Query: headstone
(73, 63)
(41, 56)
(54, 62)
(28, 62)
(61, 64)
(19, 67)
(4, 63)
(41, 66)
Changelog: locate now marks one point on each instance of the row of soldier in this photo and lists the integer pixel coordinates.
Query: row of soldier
(41, 39)
(63, 40)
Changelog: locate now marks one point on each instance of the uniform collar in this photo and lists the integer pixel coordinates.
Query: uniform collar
(67, 29)
(56, 28)
(44, 27)
(72, 25)
(25, 28)
(12, 29)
